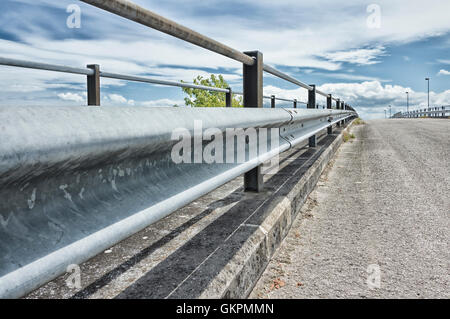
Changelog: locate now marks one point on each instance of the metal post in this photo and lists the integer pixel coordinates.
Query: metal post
(329, 100)
(229, 98)
(253, 97)
(312, 105)
(272, 101)
(407, 102)
(295, 103)
(342, 107)
(93, 85)
(338, 105)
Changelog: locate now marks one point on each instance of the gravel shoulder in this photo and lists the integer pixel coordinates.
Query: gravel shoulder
(381, 207)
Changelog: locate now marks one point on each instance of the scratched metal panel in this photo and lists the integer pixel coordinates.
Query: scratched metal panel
(76, 180)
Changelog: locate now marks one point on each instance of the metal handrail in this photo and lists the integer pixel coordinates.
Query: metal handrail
(132, 11)
(161, 82)
(45, 66)
(90, 72)
(146, 17)
(286, 77)
(136, 13)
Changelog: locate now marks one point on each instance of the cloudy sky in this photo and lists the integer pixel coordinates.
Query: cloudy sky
(339, 47)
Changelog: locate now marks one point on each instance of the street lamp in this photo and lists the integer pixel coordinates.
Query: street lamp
(390, 111)
(428, 79)
(407, 102)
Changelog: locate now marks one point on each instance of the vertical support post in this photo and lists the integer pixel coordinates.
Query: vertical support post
(312, 105)
(329, 128)
(338, 106)
(93, 85)
(312, 97)
(295, 103)
(272, 101)
(229, 98)
(253, 97)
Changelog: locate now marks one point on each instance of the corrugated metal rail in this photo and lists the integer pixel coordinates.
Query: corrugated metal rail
(76, 180)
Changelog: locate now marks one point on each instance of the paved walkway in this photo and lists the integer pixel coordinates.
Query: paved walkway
(381, 208)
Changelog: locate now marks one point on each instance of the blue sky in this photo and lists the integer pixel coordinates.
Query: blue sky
(319, 42)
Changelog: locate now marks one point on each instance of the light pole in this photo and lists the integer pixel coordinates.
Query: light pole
(385, 116)
(390, 111)
(428, 79)
(407, 102)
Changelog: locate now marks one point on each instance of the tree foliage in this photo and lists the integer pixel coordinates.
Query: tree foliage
(203, 98)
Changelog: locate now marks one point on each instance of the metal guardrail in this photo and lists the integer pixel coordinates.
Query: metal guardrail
(436, 111)
(79, 179)
(94, 176)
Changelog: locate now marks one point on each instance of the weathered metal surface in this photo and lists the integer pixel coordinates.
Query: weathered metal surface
(76, 180)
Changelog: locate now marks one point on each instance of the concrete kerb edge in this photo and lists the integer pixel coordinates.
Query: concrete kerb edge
(238, 278)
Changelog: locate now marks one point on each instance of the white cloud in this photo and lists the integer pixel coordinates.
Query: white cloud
(351, 77)
(357, 56)
(162, 103)
(117, 99)
(443, 72)
(76, 97)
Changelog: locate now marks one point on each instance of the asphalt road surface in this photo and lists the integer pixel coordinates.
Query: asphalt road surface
(377, 224)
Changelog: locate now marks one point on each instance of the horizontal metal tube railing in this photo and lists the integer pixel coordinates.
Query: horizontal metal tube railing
(133, 12)
(87, 71)
(45, 66)
(286, 77)
(146, 17)
(150, 19)
(438, 111)
(161, 82)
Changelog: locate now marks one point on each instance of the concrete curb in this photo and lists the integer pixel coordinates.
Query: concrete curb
(239, 276)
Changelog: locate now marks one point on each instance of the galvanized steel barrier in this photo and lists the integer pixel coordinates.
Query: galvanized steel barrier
(76, 180)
